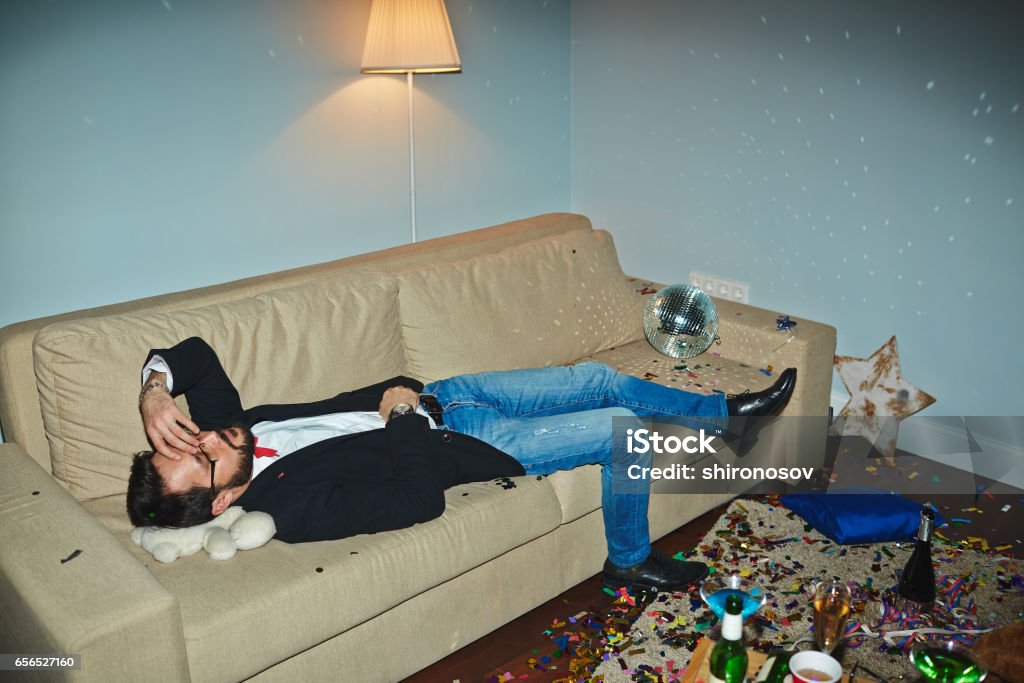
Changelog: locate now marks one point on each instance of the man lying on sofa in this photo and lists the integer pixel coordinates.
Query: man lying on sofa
(372, 460)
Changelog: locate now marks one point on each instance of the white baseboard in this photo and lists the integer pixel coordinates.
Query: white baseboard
(994, 459)
(942, 442)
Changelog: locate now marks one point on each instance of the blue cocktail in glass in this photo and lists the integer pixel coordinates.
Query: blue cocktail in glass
(717, 589)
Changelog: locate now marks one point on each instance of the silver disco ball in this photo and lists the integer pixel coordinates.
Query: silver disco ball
(681, 321)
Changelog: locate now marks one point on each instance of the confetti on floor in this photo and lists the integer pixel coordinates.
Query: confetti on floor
(785, 555)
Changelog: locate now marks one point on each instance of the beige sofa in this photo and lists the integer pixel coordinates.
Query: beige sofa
(545, 290)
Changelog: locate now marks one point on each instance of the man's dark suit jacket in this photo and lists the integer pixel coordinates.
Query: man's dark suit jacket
(361, 483)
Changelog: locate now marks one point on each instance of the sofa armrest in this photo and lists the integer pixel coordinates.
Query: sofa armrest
(749, 335)
(67, 586)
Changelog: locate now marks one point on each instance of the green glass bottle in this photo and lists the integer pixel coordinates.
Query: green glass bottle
(779, 669)
(728, 663)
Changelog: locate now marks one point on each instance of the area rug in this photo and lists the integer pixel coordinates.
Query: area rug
(979, 589)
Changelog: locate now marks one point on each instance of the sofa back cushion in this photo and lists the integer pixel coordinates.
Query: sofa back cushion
(20, 414)
(294, 344)
(545, 302)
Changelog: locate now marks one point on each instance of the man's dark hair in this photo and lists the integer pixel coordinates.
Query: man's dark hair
(150, 504)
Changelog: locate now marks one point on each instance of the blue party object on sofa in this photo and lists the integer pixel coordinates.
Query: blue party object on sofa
(845, 516)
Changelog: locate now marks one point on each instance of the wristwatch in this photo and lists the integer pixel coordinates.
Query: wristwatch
(401, 409)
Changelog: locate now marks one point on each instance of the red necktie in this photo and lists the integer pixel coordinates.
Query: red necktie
(261, 452)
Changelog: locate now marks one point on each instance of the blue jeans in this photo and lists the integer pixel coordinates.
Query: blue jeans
(559, 418)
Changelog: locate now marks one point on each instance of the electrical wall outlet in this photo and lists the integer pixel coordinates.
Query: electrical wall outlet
(720, 287)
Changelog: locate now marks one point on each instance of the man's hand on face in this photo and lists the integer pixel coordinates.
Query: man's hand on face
(395, 395)
(171, 433)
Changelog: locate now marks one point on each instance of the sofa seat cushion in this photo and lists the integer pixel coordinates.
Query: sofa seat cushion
(578, 491)
(292, 597)
(541, 303)
(296, 344)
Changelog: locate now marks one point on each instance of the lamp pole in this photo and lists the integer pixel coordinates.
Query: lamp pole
(406, 36)
(412, 159)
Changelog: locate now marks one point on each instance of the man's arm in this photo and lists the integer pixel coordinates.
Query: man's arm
(212, 399)
(333, 510)
(169, 430)
(364, 399)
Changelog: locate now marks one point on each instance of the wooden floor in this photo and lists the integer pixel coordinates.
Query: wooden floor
(508, 649)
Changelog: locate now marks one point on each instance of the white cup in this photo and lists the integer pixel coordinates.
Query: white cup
(828, 670)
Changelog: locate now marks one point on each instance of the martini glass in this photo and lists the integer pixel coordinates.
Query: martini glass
(948, 662)
(718, 588)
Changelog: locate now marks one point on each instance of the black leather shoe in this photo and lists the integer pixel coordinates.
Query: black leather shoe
(755, 410)
(765, 403)
(658, 572)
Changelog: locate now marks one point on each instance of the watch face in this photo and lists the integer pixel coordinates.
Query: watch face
(401, 409)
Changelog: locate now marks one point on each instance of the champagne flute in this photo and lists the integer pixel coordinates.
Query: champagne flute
(831, 612)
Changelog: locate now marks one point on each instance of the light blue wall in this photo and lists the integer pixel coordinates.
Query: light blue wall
(153, 146)
(794, 145)
(859, 163)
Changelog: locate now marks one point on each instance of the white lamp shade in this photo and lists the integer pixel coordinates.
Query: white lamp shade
(410, 36)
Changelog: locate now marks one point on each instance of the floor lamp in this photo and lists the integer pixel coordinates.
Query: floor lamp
(410, 36)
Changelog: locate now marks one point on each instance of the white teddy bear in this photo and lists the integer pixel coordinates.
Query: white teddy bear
(223, 536)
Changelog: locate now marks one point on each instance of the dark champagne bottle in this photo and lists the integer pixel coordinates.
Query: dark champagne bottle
(728, 662)
(917, 582)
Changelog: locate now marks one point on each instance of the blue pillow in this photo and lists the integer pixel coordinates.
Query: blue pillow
(847, 516)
